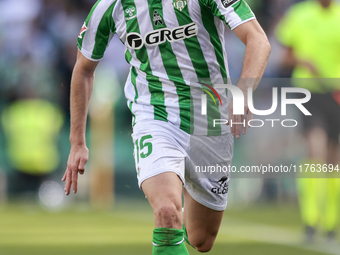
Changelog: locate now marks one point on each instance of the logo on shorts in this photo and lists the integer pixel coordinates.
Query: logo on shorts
(82, 31)
(223, 186)
(131, 12)
(179, 4)
(227, 3)
(157, 19)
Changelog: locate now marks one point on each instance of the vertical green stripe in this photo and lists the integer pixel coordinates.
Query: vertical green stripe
(133, 74)
(209, 25)
(201, 67)
(128, 56)
(106, 25)
(211, 4)
(133, 80)
(174, 74)
(242, 10)
(155, 86)
(80, 40)
(193, 46)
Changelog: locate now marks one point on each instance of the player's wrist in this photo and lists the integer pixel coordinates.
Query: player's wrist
(77, 140)
(245, 83)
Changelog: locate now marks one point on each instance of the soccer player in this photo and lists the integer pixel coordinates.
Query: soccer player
(310, 33)
(169, 43)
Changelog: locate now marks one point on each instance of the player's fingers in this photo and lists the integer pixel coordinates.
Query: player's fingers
(232, 126)
(64, 177)
(244, 126)
(250, 117)
(230, 121)
(81, 167)
(68, 182)
(230, 112)
(75, 180)
(237, 126)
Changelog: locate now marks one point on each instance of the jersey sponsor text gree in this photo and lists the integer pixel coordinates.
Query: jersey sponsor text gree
(136, 41)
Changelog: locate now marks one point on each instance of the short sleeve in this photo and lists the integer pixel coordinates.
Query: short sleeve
(232, 12)
(97, 30)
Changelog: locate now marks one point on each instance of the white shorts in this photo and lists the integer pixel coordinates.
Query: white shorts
(161, 147)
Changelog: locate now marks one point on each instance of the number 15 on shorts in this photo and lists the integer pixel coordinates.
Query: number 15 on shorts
(143, 147)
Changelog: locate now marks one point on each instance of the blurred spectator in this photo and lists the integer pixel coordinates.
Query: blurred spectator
(311, 34)
(31, 126)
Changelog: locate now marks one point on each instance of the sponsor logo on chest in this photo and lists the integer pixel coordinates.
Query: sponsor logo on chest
(136, 41)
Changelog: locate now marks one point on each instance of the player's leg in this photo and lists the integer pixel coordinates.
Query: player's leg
(331, 207)
(160, 164)
(205, 194)
(164, 193)
(309, 188)
(201, 223)
(332, 188)
(332, 185)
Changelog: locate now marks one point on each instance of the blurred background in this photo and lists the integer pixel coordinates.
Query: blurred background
(109, 214)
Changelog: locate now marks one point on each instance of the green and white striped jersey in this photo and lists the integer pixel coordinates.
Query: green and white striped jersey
(170, 45)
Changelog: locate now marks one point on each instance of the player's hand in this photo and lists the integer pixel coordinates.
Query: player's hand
(241, 120)
(76, 164)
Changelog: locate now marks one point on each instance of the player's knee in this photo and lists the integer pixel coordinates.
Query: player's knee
(169, 215)
(203, 243)
(205, 246)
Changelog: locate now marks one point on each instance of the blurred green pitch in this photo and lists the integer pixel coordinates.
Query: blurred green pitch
(28, 229)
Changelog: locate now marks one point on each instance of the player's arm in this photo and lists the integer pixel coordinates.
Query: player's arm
(81, 90)
(255, 61)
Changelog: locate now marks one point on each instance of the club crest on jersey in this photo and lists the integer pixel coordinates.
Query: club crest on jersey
(157, 19)
(130, 13)
(179, 4)
(82, 31)
(227, 3)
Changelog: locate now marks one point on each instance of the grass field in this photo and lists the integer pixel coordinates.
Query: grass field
(127, 229)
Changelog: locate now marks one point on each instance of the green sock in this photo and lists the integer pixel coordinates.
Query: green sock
(186, 239)
(168, 241)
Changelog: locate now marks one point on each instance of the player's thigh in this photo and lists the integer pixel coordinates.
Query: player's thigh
(202, 223)
(156, 150)
(160, 161)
